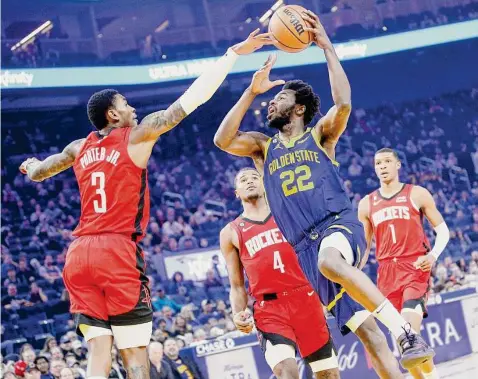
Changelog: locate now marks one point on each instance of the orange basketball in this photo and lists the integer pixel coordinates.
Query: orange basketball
(287, 27)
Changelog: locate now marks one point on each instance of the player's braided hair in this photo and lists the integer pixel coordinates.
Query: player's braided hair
(304, 95)
(98, 105)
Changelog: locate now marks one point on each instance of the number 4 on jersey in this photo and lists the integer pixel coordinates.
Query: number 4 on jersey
(278, 265)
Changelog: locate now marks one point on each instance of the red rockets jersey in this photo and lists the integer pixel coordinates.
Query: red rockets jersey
(270, 263)
(114, 191)
(397, 225)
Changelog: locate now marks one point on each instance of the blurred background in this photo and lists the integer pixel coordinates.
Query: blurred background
(421, 101)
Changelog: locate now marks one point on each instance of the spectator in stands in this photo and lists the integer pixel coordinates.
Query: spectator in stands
(36, 295)
(161, 300)
(50, 343)
(168, 317)
(200, 336)
(188, 241)
(56, 354)
(24, 273)
(171, 227)
(65, 344)
(180, 326)
(355, 169)
(28, 356)
(172, 245)
(50, 271)
(11, 278)
(12, 301)
(56, 366)
(7, 264)
(207, 311)
(32, 372)
(215, 267)
(188, 315)
(182, 366)
(211, 281)
(155, 232)
(35, 243)
(159, 367)
(43, 365)
(67, 373)
(177, 281)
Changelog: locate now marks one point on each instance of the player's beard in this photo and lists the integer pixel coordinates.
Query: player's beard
(282, 120)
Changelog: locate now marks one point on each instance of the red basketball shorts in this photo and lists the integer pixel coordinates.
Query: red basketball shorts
(105, 277)
(404, 285)
(296, 319)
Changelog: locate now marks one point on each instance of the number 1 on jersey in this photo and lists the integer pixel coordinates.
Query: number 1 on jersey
(394, 237)
(278, 265)
(98, 180)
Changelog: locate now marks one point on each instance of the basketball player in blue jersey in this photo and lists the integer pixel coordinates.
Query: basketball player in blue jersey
(310, 205)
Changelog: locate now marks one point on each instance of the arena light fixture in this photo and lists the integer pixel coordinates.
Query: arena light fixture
(46, 26)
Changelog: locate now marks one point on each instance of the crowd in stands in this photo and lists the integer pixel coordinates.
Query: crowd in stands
(152, 50)
(192, 198)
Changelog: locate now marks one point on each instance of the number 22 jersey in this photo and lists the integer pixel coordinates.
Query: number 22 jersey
(114, 191)
(303, 187)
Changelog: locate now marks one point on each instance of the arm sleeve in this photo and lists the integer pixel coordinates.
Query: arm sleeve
(208, 82)
(441, 240)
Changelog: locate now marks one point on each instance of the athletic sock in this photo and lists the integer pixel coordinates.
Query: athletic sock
(391, 318)
(431, 375)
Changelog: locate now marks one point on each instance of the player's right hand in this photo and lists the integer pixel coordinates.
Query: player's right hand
(23, 166)
(253, 42)
(244, 321)
(260, 81)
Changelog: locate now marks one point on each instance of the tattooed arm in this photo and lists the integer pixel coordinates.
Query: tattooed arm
(157, 123)
(38, 171)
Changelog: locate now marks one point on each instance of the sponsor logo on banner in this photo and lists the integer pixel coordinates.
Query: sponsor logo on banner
(181, 70)
(194, 266)
(214, 347)
(22, 78)
(470, 312)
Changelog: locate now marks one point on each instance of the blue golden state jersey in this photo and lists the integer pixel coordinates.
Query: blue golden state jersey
(302, 184)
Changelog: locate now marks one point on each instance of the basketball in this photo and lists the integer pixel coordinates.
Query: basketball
(287, 27)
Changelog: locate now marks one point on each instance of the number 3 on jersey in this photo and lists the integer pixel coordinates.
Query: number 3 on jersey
(98, 180)
(278, 265)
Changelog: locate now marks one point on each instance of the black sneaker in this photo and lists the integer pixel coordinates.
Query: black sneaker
(415, 350)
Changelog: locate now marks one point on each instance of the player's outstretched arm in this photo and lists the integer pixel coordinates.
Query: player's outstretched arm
(423, 199)
(333, 124)
(38, 170)
(228, 137)
(202, 89)
(363, 215)
(238, 295)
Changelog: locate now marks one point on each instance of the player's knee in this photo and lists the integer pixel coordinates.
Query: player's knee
(134, 356)
(287, 369)
(331, 264)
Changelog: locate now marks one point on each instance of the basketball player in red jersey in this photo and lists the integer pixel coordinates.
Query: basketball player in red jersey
(104, 271)
(287, 311)
(393, 215)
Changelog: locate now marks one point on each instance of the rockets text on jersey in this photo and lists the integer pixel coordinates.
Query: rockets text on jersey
(114, 191)
(269, 261)
(397, 225)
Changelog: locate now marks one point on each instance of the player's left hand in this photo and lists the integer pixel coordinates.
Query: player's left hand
(253, 42)
(321, 38)
(23, 166)
(425, 262)
(244, 321)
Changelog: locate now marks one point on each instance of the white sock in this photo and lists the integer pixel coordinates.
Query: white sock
(431, 375)
(391, 318)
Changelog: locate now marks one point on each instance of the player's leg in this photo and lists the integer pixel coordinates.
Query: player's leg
(413, 310)
(88, 305)
(374, 341)
(312, 334)
(128, 302)
(337, 262)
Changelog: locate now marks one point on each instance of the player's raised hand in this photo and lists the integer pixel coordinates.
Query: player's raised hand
(253, 42)
(260, 80)
(244, 321)
(425, 262)
(321, 38)
(23, 166)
